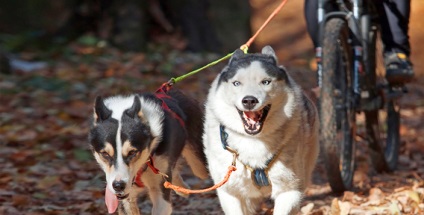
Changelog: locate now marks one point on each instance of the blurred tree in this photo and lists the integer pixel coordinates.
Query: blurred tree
(231, 19)
(126, 23)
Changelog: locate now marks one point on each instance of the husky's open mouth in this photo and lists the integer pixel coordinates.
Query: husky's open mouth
(253, 120)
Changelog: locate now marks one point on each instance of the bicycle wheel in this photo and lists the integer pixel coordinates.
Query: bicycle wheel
(336, 106)
(382, 125)
(383, 136)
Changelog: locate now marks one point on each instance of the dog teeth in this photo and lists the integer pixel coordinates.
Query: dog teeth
(252, 120)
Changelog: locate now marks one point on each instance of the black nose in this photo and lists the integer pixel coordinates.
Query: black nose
(249, 102)
(118, 186)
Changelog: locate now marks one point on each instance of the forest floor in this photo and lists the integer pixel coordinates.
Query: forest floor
(46, 166)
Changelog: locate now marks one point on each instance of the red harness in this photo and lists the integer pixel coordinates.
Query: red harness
(150, 164)
(160, 94)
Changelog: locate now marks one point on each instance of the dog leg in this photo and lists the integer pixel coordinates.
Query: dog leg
(178, 180)
(161, 206)
(230, 204)
(252, 205)
(196, 165)
(287, 202)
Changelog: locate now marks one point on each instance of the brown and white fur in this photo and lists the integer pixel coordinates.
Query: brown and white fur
(266, 117)
(126, 130)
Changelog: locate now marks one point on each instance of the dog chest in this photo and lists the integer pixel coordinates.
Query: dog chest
(253, 155)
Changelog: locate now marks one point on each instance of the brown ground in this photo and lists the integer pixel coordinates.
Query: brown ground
(46, 166)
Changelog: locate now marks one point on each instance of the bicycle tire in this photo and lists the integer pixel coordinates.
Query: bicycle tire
(383, 144)
(337, 116)
(391, 150)
(384, 151)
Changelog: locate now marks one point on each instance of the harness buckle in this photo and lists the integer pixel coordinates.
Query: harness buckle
(235, 154)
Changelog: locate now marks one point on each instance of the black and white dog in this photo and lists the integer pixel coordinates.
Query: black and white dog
(128, 133)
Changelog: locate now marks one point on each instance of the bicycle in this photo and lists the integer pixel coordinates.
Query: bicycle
(349, 85)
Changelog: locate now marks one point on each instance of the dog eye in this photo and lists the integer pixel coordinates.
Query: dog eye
(236, 83)
(266, 82)
(105, 155)
(132, 153)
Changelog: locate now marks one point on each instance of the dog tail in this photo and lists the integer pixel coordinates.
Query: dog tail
(197, 166)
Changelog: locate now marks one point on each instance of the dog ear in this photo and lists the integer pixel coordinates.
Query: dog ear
(101, 111)
(267, 50)
(283, 72)
(236, 55)
(135, 108)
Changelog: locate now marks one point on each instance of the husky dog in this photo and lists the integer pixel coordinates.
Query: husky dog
(128, 133)
(257, 111)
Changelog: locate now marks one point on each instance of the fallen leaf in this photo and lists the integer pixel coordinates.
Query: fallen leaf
(344, 207)
(376, 196)
(48, 182)
(6, 209)
(335, 208)
(4, 179)
(307, 208)
(414, 196)
(39, 195)
(394, 209)
(19, 200)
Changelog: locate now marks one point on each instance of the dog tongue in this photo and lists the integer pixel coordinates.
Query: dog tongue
(252, 115)
(111, 201)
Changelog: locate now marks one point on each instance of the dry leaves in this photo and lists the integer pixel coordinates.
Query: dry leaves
(46, 166)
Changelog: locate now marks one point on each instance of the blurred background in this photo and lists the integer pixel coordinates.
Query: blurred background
(57, 56)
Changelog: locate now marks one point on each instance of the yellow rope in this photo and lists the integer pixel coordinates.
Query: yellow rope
(178, 79)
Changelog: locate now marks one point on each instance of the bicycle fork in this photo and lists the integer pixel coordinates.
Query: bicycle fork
(356, 42)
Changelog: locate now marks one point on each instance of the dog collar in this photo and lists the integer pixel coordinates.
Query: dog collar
(259, 175)
(150, 164)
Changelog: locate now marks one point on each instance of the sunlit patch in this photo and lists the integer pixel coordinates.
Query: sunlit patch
(253, 120)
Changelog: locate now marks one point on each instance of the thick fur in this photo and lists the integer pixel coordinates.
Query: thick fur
(289, 133)
(126, 130)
